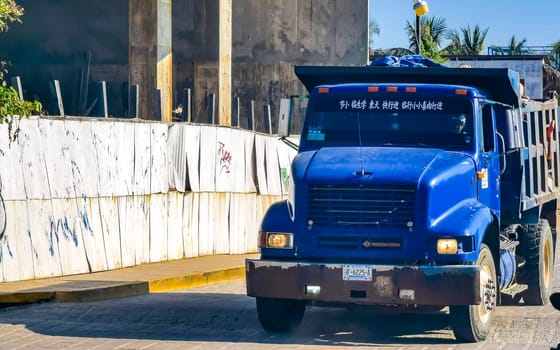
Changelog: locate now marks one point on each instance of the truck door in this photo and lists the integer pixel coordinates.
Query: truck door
(489, 168)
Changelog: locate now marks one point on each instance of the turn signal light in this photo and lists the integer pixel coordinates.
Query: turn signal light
(461, 92)
(278, 240)
(447, 246)
(324, 90)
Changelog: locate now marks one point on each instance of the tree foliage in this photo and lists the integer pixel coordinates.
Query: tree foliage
(9, 12)
(432, 31)
(11, 106)
(516, 47)
(430, 47)
(466, 42)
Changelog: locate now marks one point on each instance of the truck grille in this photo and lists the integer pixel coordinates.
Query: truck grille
(378, 206)
(353, 242)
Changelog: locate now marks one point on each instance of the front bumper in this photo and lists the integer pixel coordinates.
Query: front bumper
(419, 285)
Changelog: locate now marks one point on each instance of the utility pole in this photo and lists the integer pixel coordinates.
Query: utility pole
(224, 62)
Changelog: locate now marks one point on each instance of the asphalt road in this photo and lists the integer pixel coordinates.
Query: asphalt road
(220, 316)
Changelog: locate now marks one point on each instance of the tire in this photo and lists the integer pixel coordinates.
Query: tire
(537, 248)
(280, 315)
(472, 323)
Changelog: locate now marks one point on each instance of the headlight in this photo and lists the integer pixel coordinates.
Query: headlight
(278, 240)
(447, 246)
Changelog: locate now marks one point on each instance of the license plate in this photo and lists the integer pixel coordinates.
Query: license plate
(356, 273)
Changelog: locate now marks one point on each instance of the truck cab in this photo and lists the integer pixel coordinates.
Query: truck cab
(397, 198)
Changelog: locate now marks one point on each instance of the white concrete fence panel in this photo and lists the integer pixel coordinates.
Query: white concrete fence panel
(86, 195)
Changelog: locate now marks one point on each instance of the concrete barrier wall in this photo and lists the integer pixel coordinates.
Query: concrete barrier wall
(92, 195)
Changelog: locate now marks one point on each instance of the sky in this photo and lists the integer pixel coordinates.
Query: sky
(536, 20)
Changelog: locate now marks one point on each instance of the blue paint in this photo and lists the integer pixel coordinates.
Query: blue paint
(63, 227)
(85, 222)
(32, 246)
(52, 235)
(53, 230)
(51, 250)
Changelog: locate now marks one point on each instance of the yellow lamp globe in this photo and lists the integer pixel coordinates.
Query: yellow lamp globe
(420, 7)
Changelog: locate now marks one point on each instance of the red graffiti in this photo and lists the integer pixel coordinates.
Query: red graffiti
(224, 157)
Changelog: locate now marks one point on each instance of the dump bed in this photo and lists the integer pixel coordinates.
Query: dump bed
(541, 157)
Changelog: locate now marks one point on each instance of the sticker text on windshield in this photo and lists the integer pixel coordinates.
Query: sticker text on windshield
(387, 105)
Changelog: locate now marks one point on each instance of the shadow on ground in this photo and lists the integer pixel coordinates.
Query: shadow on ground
(217, 317)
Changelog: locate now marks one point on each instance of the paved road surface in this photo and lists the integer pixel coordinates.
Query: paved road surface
(221, 317)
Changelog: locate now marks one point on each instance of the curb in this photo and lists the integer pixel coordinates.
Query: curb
(197, 279)
(26, 297)
(106, 290)
(103, 293)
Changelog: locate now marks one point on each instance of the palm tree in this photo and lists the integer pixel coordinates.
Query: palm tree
(515, 47)
(468, 42)
(432, 30)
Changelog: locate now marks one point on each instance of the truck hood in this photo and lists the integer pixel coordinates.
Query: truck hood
(376, 164)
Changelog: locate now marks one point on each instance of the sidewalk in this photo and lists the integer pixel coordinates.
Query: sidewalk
(130, 281)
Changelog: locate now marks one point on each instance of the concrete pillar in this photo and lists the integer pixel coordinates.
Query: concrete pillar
(224, 63)
(150, 55)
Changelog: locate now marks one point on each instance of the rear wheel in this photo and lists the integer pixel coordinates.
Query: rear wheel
(472, 323)
(280, 315)
(537, 248)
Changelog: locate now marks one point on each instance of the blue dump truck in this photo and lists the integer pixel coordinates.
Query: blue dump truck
(413, 187)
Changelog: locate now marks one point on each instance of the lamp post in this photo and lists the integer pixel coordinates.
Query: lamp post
(420, 8)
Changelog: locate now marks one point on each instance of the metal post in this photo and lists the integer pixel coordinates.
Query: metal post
(58, 95)
(236, 112)
(16, 83)
(187, 103)
(268, 119)
(252, 116)
(103, 109)
(418, 36)
(134, 101)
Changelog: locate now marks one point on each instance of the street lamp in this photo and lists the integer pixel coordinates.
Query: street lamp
(420, 8)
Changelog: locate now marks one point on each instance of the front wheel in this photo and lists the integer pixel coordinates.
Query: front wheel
(280, 315)
(472, 323)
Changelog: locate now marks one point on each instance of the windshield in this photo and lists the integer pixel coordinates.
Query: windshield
(413, 120)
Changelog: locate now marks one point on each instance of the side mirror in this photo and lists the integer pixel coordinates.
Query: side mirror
(285, 117)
